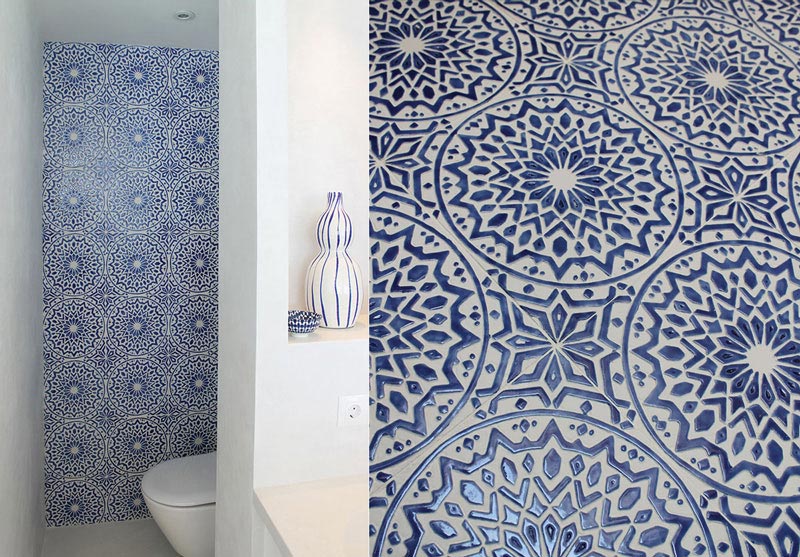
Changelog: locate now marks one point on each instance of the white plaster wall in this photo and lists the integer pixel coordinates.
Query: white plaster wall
(329, 132)
(21, 452)
(305, 442)
(326, 48)
(253, 253)
(237, 277)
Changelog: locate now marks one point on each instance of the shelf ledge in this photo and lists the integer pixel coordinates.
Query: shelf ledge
(324, 517)
(358, 332)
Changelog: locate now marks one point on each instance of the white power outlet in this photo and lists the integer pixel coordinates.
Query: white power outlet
(353, 410)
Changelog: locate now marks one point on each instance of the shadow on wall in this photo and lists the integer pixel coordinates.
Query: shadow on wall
(130, 280)
(584, 323)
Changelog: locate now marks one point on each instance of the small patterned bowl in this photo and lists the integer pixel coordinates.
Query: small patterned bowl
(301, 323)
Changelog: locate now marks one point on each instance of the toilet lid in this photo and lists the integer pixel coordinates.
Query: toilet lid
(183, 482)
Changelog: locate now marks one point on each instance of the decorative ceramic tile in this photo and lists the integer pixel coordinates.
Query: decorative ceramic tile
(130, 258)
(585, 278)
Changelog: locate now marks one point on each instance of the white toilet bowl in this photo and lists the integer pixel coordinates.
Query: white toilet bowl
(181, 495)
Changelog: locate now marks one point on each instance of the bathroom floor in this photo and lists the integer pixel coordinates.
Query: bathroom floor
(133, 538)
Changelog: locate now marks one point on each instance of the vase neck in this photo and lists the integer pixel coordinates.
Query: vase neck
(334, 229)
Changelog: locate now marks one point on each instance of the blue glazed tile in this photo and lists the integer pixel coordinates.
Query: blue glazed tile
(195, 325)
(193, 383)
(192, 433)
(196, 137)
(74, 502)
(136, 444)
(125, 500)
(137, 137)
(138, 75)
(73, 72)
(130, 210)
(194, 263)
(74, 449)
(619, 188)
(137, 387)
(74, 389)
(195, 76)
(74, 136)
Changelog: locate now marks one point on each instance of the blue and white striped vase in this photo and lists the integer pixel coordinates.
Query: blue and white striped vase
(333, 281)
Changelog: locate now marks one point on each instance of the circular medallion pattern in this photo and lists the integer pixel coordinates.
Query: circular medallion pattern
(137, 264)
(138, 326)
(73, 73)
(138, 138)
(73, 265)
(194, 263)
(712, 84)
(196, 324)
(74, 390)
(73, 136)
(712, 352)
(427, 335)
(74, 502)
(72, 200)
(136, 445)
(582, 15)
(559, 190)
(430, 59)
(194, 382)
(72, 328)
(138, 201)
(196, 78)
(125, 500)
(196, 138)
(194, 434)
(138, 75)
(196, 201)
(74, 450)
(137, 387)
(542, 484)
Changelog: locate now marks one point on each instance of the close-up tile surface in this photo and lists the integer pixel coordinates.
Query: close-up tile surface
(584, 328)
(130, 270)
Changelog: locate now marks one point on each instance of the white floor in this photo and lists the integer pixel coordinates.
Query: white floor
(134, 538)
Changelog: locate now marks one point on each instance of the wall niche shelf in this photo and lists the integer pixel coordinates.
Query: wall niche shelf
(358, 332)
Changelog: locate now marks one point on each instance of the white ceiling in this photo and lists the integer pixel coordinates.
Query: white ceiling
(136, 22)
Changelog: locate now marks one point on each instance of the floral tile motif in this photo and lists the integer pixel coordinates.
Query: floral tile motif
(584, 321)
(130, 220)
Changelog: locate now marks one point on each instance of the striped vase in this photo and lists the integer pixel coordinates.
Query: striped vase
(333, 281)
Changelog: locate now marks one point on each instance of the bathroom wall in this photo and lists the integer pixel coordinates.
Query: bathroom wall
(130, 270)
(21, 478)
(585, 276)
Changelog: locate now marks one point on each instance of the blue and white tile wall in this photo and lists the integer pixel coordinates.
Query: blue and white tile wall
(130, 281)
(585, 329)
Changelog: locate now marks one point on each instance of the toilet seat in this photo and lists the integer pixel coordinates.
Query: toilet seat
(183, 482)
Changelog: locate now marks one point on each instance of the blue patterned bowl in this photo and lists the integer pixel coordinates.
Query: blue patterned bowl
(301, 323)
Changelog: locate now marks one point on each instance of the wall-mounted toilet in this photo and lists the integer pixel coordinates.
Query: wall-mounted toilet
(181, 495)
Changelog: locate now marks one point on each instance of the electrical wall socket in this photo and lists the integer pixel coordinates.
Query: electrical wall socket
(353, 410)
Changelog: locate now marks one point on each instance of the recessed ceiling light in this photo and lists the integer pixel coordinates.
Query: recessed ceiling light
(185, 15)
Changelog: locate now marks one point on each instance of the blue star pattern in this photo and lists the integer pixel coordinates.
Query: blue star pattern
(585, 335)
(713, 351)
(712, 84)
(130, 219)
(429, 58)
(525, 182)
(533, 484)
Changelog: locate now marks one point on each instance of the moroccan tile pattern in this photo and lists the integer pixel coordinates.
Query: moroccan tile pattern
(585, 330)
(130, 281)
